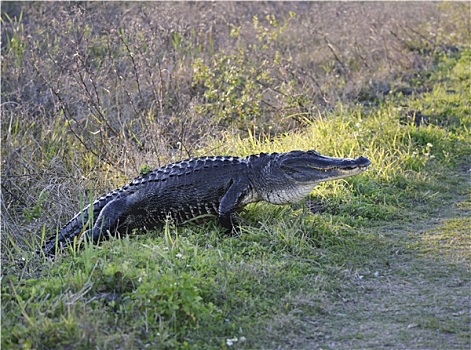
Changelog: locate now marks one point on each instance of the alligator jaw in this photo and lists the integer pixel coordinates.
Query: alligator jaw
(311, 167)
(341, 167)
(339, 173)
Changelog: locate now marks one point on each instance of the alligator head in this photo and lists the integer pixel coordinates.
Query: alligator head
(302, 170)
(312, 167)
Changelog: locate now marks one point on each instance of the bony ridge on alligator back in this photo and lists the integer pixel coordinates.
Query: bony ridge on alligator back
(205, 186)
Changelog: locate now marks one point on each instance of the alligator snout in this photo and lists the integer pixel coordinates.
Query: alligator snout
(363, 162)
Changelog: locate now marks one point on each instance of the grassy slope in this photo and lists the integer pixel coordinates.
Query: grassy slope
(383, 265)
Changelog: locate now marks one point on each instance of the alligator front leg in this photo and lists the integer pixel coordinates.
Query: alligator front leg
(228, 221)
(230, 202)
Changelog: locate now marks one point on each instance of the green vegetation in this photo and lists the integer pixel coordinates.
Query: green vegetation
(96, 93)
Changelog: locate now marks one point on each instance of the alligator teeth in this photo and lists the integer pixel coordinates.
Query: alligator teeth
(325, 170)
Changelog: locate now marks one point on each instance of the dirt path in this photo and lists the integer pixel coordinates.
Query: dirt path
(416, 293)
(418, 299)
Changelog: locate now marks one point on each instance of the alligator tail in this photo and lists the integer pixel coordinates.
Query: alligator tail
(78, 224)
(69, 231)
(83, 221)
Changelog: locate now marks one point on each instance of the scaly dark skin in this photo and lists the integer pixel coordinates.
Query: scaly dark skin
(206, 186)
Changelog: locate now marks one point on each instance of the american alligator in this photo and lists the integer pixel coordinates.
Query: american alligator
(206, 186)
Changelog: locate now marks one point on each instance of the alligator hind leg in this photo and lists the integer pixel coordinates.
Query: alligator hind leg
(108, 221)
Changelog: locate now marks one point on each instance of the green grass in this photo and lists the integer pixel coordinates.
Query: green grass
(384, 262)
